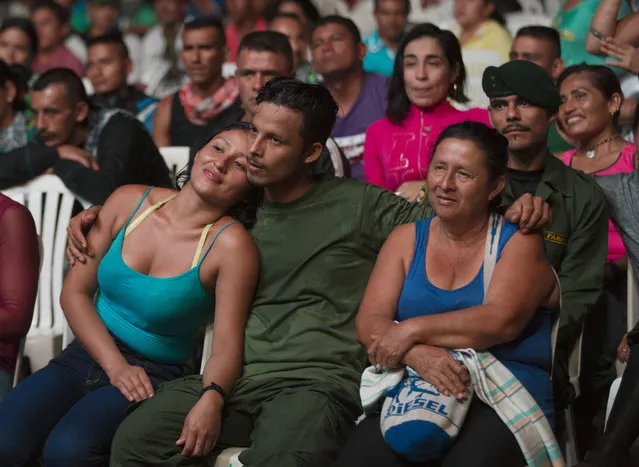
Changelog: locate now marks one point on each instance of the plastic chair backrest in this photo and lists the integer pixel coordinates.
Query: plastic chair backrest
(207, 347)
(176, 158)
(476, 62)
(51, 204)
(18, 369)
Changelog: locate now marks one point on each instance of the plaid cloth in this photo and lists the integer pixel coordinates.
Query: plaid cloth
(200, 110)
(497, 387)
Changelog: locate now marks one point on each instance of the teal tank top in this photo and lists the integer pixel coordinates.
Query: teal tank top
(158, 317)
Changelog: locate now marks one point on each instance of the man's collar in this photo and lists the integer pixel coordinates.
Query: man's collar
(553, 179)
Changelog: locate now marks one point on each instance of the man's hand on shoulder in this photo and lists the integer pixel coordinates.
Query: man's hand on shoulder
(530, 212)
(75, 154)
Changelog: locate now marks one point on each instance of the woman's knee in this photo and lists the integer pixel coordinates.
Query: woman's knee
(65, 447)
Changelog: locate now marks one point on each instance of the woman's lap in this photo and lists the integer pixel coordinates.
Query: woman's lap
(68, 408)
(484, 441)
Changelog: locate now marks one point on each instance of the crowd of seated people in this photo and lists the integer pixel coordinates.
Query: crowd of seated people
(367, 184)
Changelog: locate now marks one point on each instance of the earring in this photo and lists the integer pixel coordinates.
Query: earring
(454, 90)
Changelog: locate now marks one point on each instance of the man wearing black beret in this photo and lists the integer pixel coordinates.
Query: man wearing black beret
(523, 104)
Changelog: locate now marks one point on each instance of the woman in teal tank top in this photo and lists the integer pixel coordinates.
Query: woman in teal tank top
(165, 261)
(426, 296)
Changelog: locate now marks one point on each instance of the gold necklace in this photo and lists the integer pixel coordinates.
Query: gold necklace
(592, 152)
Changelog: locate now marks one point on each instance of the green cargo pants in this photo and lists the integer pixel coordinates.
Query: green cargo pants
(284, 423)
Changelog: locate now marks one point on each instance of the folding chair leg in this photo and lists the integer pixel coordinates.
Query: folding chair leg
(570, 437)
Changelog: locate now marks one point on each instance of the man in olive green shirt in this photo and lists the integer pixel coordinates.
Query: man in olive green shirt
(523, 101)
(297, 398)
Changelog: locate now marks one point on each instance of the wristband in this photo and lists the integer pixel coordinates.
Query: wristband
(214, 387)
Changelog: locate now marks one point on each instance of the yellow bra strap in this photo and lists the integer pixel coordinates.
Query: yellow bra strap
(145, 214)
(200, 245)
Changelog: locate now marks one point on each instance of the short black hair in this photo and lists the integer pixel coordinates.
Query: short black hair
(76, 92)
(550, 35)
(60, 12)
(489, 141)
(313, 101)
(398, 102)
(268, 41)
(346, 22)
(204, 23)
(111, 38)
(26, 26)
(406, 6)
(309, 9)
(292, 16)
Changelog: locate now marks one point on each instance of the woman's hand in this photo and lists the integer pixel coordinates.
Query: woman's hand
(623, 351)
(79, 226)
(202, 426)
(439, 368)
(389, 349)
(410, 190)
(132, 381)
(626, 55)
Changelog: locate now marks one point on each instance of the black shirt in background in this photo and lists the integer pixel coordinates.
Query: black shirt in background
(524, 181)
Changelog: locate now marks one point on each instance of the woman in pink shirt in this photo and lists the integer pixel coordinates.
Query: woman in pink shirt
(591, 98)
(428, 71)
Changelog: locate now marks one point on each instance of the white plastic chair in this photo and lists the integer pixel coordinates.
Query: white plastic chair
(176, 158)
(50, 203)
(18, 370)
(476, 62)
(516, 21)
(228, 69)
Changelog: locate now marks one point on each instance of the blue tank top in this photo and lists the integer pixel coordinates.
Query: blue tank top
(528, 357)
(158, 317)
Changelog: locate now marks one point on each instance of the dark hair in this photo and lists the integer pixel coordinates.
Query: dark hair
(60, 12)
(314, 102)
(550, 35)
(309, 9)
(496, 14)
(7, 74)
(26, 26)
(204, 23)
(246, 210)
(398, 102)
(71, 82)
(406, 6)
(346, 22)
(111, 38)
(602, 78)
(268, 41)
(493, 146)
(292, 16)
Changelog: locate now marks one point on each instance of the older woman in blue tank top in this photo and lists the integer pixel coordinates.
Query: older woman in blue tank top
(428, 277)
(164, 261)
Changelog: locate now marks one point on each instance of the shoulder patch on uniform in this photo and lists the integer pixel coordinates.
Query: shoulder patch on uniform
(555, 238)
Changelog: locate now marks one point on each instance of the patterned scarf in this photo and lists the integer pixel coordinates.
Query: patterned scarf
(201, 110)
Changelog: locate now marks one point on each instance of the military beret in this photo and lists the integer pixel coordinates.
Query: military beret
(524, 79)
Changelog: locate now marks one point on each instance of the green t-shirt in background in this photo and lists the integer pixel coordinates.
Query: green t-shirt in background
(556, 144)
(316, 256)
(574, 26)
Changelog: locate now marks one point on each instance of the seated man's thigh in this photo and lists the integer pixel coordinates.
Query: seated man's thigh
(148, 435)
(484, 441)
(83, 436)
(299, 427)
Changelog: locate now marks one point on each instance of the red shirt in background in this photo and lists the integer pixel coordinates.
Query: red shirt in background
(233, 41)
(61, 58)
(19, 270)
